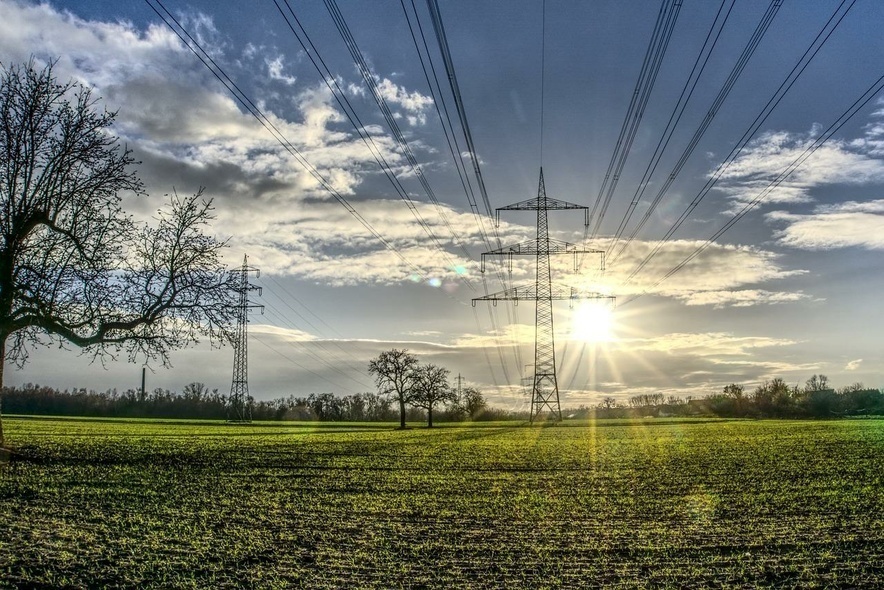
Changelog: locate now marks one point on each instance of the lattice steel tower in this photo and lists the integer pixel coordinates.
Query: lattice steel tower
(545, 388)
(240, 409)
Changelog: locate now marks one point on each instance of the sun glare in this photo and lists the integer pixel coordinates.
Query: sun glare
(593, 322)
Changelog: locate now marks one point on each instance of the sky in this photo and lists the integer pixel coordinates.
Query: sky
(791, 289)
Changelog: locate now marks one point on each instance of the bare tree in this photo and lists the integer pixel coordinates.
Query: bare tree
(74, 268)
(394, 373)
(431, 389)
(472, 402)
(817, 383)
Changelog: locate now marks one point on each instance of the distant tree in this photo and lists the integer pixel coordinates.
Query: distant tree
(736, 393)
(817, 383)
(431, 388)
(74, 268)
(377, 407)
(609, 403)
(394, 373)
(194, 391)
(472, 402)
(773, 397)
(733, 390)
(858, 386)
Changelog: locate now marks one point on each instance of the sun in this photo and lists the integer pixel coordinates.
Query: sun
(593, 322)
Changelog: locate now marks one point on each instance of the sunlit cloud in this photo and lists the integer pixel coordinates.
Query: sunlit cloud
(723, 275)
(276, 71)
(836, 162)
(712, 344)
(288, 334)
(853, 365)
(741, 298)
(833, 226)
(414, 103)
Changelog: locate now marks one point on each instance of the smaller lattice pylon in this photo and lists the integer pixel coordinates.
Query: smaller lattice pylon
(240, 407)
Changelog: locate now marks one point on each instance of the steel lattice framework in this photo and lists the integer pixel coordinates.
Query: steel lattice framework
(240, 409)
(545, 388)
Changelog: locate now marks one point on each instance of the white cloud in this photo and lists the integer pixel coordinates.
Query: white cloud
(836, 162)
(710, 344)
(741, 298)
(414, 103)
(853, 365)
(833, 226)
(275, 71)
(723, 275)
(282, 334)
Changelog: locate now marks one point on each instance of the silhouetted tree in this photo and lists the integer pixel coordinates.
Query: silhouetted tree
(74, 268)
(431, 388)
(473, 403)
(817, 383)
(394, 373)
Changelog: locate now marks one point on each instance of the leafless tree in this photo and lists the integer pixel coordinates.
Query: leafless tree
(472, 402)
(74, 267)
(817, 383)
(431, 389)
(394, 373)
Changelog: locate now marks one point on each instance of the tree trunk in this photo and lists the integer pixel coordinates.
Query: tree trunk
(401, 413)
(2, 365)
(430, 417)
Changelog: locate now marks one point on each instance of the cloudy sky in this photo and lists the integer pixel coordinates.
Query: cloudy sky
(724, 138)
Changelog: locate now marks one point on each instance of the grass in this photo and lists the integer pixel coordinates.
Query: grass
(652, 503)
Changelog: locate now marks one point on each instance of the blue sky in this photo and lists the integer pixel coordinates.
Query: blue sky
(793, 289)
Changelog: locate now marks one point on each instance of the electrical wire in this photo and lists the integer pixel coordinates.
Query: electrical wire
(341, 98)
(674, 119)
(817, 143)
(194, 46)
(738, 68)
(654, 54)
(821, 38)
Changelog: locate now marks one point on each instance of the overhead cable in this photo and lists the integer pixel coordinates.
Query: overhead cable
(796, 71)
(817, 143)
(747, 53)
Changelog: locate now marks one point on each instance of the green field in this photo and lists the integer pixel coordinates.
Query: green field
(653, 503)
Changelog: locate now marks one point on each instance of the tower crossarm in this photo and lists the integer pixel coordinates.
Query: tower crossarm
(529, 293)
(532, 248)
(544, 203)
(524, 293)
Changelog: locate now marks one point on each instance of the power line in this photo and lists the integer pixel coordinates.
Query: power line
(542, 73)
(439, 28)
(455, 151)
(445, 51)
(305, 348)
(660, 37)
(342, 100)
(724, 91)
(674, 118)
(299, 365)
(762, 116)
(817, 143)
(371, 83)
(201, 54)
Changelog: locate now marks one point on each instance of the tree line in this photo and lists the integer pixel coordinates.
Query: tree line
(196, 401)
(772, 399)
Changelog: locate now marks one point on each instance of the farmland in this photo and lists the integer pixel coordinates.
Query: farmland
(650, 503)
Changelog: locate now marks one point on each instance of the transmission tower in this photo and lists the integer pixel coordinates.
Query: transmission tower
(545, 387)
(240, 403)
